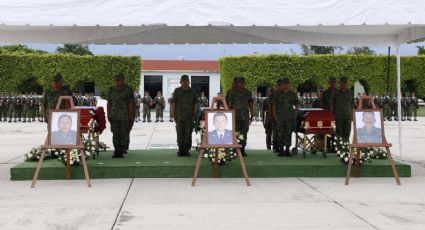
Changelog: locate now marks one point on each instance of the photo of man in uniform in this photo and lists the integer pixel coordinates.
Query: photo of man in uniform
(220, 135)
(64, 135)
(369, 133)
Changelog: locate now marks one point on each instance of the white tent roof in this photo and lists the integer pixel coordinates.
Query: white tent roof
(316, 22)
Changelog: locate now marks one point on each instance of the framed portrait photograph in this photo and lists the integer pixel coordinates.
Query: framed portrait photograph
(368, 126)
(64, 126)
(220, 127)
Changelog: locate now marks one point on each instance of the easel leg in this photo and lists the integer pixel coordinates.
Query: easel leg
(86, 170)
(37, 171)
(356, 170)
(216, 163)
(68, 164)
(397, 178)
(350, 162)
(245, 174)
(198, 165)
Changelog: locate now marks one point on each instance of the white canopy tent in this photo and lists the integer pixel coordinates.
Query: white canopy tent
(312, 22)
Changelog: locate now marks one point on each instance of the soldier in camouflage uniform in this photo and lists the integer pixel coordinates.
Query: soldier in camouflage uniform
(52, 94)
(39, 109)
(170, 103)
(386, 103)
(19, 106)
(256, 106)
(341, 107)
(147, 102)
(414, 105)
(121, 112)
(203, 100)
(2, 105)
(240, 99)
(267, 118)
(159, 107)
(138, 101)
(12, 107)
(26, 108)
(185, 103)
(326, 104)
(394, 107)
(285, 107)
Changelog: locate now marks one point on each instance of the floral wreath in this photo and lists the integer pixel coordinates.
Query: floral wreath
(342, 148)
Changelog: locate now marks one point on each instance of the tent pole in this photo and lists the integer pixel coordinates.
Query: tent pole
(400, 143)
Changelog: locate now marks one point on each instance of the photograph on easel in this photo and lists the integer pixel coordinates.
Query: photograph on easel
(368, 126)
(220, 127)
(63, 127)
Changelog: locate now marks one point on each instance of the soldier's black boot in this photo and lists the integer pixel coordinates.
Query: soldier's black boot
(180, 151)
(280, 152)
(124, 149)
(118, 153)
(288, 152)
(243, 151)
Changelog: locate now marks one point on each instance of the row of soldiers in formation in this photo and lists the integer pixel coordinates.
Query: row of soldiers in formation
(385, 102)
(158, 104)
(28, 107)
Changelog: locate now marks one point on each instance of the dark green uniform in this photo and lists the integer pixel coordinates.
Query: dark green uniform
(327, 97)
(138, 101)
(147, 101)
(342, 103)
(2, 106)
(185, 102)
(284, 103)
(203, 101)
(12, 108)
(119, 100)
(239, 99)
(159, 108)
(267, 121)
(170, 103)
(51, 97)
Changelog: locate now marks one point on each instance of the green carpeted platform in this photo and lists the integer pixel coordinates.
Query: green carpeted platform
(163, 163)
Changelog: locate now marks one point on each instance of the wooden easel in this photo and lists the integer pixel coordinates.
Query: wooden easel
(204, 146)
(357, 146)
(68, 102)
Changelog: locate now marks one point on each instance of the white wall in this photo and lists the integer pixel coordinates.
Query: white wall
(171, 80)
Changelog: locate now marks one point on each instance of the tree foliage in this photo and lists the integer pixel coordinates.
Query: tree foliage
(17, 70)
(361, 50)
(19, 49)
(76, 49)
(370, 69)
(421, 50)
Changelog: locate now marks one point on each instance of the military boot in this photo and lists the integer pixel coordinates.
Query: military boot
(243, 151)
(280, 152)
(288, 152)
(180, 151)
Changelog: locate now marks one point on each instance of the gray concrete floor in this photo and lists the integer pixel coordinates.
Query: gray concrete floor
(278, 203)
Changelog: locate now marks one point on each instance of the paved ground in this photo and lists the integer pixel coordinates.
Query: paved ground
(279, 203)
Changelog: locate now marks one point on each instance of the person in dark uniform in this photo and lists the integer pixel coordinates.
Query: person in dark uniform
(266, 117)
(341, 107)
(52, 94)
(185, 103)
(240, 99)
(121, 113)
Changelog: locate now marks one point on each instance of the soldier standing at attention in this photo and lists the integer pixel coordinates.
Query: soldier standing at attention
(203, 100)
(256, 106)
(285, 107)
(26, 104)
(328, 93)
(12, 107)
(266, 117)
(121, 111)
(19, 105)
(341, 107)
(159, 107)
(2, 104)
(240, 99)
(185, 103)
(52, 94)
(147, 102)
(137, 99)
(170, 103)
(414, 105)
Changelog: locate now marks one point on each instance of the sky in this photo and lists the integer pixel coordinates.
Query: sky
(207, 52)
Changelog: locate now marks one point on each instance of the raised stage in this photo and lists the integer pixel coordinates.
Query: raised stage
(163, 163)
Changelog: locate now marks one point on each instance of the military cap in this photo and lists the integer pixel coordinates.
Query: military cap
(343, 79)
(184, 77)
(240, 79)
(57, 78)
(283, 81)
(119, 77)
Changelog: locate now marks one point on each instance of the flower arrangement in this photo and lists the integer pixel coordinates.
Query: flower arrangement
(74, 156)
(224, 155)
(342, 148)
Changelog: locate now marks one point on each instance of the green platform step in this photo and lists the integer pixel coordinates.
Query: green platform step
(163, 163)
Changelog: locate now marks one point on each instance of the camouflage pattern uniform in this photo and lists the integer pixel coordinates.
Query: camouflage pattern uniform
(51, 97)
(342, 104)
(241, 101)
(170, 103)
(159, 108)
(138, 100)
(118, 115)
(19, 106)
(26, 113)
(284, 103)
(203, 101)
(2, 106)
(414, 105)
(267, 117)
(386, 102)
(185, 103)
(147, 101)
(12, 107)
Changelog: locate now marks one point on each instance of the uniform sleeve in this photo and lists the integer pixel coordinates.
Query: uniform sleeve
(195, 98)
(174, 97)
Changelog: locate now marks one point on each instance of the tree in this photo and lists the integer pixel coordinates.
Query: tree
(75, 49)
(19, 49)
(421, 50)
(361, 50)
(307, 50)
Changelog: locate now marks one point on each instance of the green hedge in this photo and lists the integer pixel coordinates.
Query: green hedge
(372, 69)
(16, 69)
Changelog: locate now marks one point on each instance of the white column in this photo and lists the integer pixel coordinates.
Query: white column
(400, 142)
